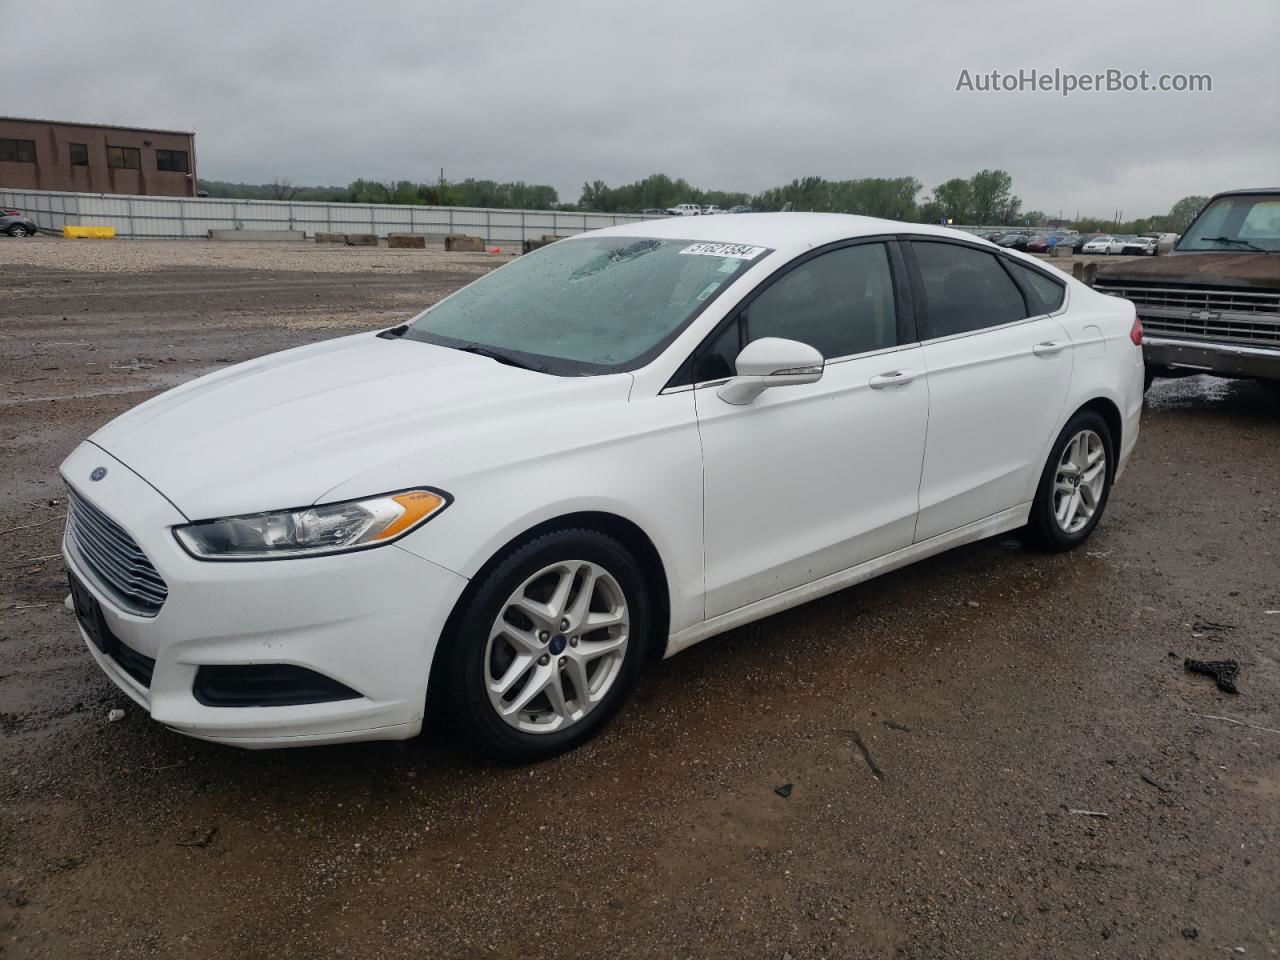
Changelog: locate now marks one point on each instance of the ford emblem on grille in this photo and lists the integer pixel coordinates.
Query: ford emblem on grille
(98, 473)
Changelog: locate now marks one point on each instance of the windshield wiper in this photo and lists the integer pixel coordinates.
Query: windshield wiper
(499, 356)
(1236, 242)
(395, 332)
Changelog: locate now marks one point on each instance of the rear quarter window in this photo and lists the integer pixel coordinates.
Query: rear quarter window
(1044, 294)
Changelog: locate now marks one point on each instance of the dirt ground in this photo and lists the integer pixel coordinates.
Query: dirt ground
(995, 690)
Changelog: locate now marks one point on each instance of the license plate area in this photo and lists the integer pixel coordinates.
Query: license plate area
(89, 614)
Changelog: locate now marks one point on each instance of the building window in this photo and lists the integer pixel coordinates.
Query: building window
(18, 151)
(79, 154)
(175, 160)
(124, 158)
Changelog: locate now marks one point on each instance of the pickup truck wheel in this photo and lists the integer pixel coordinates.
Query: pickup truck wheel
(1075, 484)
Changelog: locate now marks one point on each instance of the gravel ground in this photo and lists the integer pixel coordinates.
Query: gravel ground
(144, 256)
(995, 690)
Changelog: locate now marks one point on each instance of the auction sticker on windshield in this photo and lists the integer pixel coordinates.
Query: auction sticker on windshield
(739, 251)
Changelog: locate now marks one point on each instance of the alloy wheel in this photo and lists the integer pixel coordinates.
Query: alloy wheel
(557, 646)
(1080, 481)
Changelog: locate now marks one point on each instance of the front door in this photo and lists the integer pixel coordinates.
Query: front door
(809, 480)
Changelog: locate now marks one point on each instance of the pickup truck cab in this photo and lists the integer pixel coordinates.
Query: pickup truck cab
(1213, 304)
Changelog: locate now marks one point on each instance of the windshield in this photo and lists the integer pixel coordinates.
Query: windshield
(592, 305)
(1243, 223)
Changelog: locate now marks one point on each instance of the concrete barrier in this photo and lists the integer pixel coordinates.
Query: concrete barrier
(406, 241)
(98, 233)
(278, 236)
(362, 239)
(459, 242)
(331, 238)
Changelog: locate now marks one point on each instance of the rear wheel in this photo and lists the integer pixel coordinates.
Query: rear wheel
(1075, 484)
(18, 230)
(549, 645)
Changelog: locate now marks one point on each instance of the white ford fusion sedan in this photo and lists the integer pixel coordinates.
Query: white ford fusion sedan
(602, 452)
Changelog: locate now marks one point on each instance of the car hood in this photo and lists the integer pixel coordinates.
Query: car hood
(1250, 270)
(283, 430)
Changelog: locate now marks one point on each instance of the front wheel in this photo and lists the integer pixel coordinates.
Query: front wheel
(1075, 484)
(548, 646)
(18, 230)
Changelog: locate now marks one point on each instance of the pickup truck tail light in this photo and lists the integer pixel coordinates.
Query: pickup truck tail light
(1135, 332)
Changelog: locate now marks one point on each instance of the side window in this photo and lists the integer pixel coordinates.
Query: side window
(1046, 295)
(840, 303)
(965, 289)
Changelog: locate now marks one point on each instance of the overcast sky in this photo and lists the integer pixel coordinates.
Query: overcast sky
(736, 95)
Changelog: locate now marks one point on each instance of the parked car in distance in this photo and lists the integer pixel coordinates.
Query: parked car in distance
(710, 209)
(1103, 244)
(740, 208)
(313, 546)
(653, 212)
(1014, 241)
(1139, 246)
(1079, 240)
(17, 224)
(1213, 304)
(1039, 244)
(993, 235)
(685, 210)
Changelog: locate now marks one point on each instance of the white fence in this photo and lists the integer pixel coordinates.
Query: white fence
(158, 217)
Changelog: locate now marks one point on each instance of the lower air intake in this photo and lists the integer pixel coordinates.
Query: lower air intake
(266, 685)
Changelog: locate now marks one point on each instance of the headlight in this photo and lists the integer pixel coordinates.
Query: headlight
(311, 531)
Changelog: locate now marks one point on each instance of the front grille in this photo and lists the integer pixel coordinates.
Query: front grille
(1240, 316)
(115, 560)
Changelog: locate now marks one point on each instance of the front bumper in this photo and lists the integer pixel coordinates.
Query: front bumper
(370, 620)
(1227, 359)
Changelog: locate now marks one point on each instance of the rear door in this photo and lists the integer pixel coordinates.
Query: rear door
(809, 480)
(999, 370)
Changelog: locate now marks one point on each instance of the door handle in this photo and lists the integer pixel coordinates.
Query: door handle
(896, 378)
(1049, 348)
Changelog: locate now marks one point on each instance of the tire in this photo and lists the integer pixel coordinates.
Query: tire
(1044, 528)
(526, 651)
(19, 230)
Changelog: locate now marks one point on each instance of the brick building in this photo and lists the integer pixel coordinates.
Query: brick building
(52, 155)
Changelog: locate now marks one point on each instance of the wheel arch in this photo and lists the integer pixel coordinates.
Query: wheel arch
(1106, 408)
(625, 531)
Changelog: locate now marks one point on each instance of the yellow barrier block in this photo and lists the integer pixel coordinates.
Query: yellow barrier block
(105, 233)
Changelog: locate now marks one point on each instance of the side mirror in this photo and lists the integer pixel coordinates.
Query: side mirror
(771, 362)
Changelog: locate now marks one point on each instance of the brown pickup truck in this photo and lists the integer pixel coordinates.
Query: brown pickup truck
(1213, 304)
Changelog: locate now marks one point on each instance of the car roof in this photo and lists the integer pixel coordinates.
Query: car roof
(777, 230)
(1246, 190)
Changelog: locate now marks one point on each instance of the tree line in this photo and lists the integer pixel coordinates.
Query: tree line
(986, 197)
